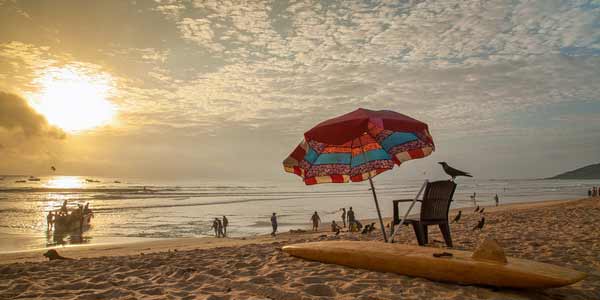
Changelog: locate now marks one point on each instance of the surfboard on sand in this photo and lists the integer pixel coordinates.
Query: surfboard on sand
(418, 261)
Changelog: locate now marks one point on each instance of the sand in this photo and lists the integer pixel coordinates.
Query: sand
(564, 233)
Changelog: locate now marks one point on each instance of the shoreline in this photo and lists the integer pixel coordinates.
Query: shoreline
(135, 247)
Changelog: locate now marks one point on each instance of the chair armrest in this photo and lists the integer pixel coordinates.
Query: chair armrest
(407, 200)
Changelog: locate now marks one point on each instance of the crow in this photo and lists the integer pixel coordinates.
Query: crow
(479, 224)
(452, 171)
(457, 216)
(481, 211)
(477, 209)
(53, 169)
(372, 227)
(366, 229)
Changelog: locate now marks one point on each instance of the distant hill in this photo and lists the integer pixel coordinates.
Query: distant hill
(587, 172)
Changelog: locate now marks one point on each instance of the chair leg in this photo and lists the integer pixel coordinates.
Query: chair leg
(425, 234)
(418, 232)
(445, 229)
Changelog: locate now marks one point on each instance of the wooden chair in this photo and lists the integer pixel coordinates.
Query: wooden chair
(434, 210)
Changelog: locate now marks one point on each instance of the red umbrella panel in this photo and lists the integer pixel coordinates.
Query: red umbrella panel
(370, 154)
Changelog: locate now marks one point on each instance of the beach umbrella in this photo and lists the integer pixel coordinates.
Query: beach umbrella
(358, 146)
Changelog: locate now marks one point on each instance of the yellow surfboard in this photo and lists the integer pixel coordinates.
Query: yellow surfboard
(418, 261)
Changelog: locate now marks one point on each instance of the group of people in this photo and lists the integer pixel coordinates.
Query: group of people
(594, 192)
(63, 212)
(220, 227)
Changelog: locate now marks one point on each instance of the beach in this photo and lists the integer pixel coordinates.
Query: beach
(557, 232)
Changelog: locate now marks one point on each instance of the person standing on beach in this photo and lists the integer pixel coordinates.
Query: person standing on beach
(590, 192)
(474, 199)
(351, 218)
(274, 224)
(215, 226)
(315, 221)
(594, 192)
(225, 223)
(220, 227)
(497, 200)
(50, 220)
(344, 216)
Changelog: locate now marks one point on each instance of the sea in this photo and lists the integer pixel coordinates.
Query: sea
(131, 210)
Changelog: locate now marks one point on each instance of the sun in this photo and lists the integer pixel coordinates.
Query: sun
(73, 98)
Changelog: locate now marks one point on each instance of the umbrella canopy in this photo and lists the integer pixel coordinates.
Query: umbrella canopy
(358, 146)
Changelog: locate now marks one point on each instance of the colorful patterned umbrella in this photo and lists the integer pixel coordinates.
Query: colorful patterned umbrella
(357, 146)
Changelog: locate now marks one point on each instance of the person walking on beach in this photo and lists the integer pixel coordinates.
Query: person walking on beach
(274, 224)
(351, 218)
(590, 192)
(344, 216)
(497, 200)
(225, 223)
(594, 192)
(315, 221)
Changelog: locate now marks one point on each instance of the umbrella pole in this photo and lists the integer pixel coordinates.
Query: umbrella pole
(378, 211)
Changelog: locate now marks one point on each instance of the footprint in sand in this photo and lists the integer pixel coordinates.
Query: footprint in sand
(320, 290)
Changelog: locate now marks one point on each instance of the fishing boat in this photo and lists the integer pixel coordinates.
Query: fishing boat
(73, 222)
(31, 178)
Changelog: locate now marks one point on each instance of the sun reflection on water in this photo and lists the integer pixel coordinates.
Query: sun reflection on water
(65, 182)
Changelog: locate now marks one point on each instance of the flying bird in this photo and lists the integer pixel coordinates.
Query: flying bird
(53, 169)
(480, 224)
(452, 171)
(477, 209)
(457, 217)
(481, 211)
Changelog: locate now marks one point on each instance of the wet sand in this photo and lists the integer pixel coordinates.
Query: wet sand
(564, 233)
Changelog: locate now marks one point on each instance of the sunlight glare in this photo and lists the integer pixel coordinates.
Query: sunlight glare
(65, 182)
(74, 98)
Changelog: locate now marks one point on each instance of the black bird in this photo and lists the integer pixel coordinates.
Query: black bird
(366, 229)
(452, 171)
(477, 209)
(480, 224)
(457, 217)
(481, 211)
(372, 227)
(53, 169)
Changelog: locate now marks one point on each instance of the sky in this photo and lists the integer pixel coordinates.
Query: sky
(223, 90)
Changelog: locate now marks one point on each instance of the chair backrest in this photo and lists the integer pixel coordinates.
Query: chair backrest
(436, 200)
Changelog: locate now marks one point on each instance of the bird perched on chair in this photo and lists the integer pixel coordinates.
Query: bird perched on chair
(477, 209)
(457, 217)
(480, 224)
(452, 171)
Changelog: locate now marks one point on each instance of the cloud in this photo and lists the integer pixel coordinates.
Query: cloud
(17, 115)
